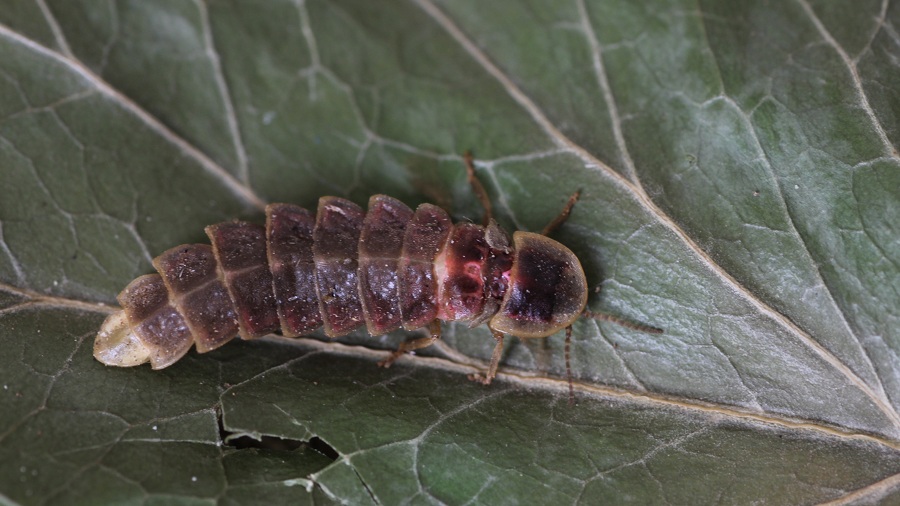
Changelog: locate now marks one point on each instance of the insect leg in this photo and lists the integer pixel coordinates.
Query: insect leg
(478, 188)
(563, 215)
(434, 330)
(486, 379)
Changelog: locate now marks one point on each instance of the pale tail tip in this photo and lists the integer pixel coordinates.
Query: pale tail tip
(116, 344)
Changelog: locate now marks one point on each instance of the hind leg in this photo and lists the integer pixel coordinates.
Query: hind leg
(434, 331)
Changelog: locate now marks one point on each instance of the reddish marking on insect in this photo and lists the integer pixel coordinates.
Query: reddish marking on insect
(341, 268)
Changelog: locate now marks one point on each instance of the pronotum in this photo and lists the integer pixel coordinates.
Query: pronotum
(387, 268)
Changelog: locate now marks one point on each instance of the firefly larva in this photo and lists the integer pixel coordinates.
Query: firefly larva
(341, 268)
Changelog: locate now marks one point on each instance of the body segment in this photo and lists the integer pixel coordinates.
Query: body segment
(289, 237)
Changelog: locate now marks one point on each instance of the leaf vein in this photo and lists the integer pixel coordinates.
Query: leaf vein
(603, 82)
(644, 200)
(225, 92)
(205, 162)
(58, 34)
(890, 149)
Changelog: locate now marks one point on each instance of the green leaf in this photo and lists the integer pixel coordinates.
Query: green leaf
(739, 187)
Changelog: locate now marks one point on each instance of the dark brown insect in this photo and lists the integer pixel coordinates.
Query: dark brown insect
(341, 268)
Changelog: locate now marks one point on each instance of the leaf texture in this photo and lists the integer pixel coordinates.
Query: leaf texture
(739, 188)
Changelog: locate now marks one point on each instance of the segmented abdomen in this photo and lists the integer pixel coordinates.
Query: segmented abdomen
(337, 269)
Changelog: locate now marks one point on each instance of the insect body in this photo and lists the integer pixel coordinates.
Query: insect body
(342, 268)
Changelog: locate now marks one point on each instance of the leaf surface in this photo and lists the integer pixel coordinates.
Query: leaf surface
(739, 188)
